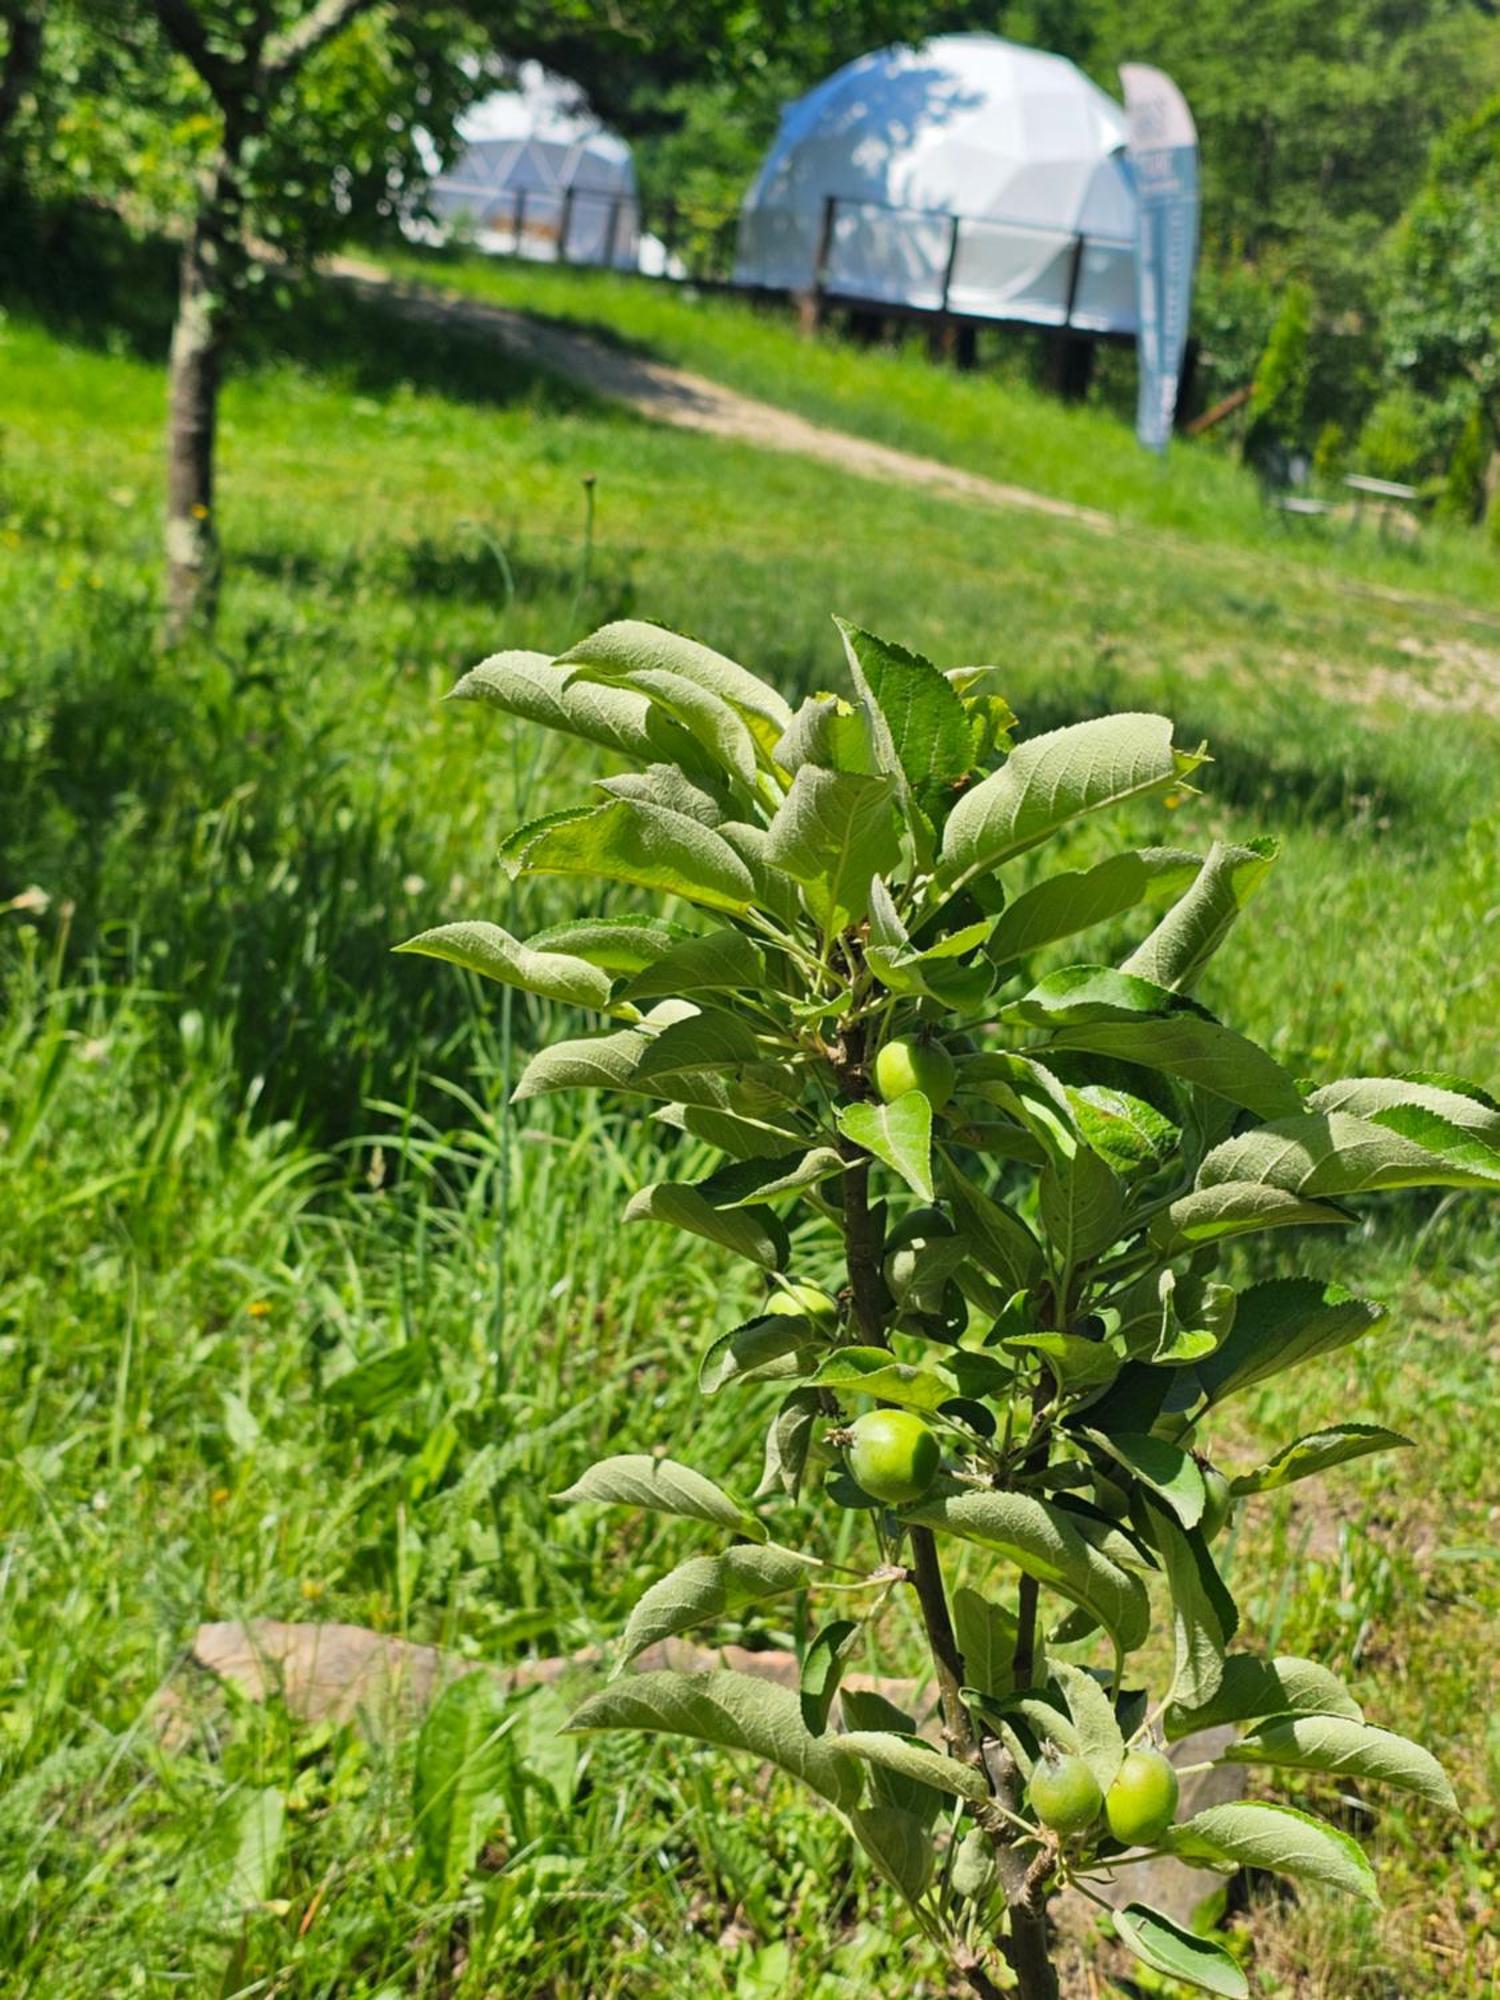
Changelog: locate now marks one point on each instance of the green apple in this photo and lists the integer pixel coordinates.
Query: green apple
(906, 1064)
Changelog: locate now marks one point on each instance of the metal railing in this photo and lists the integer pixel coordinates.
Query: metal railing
(920, 260)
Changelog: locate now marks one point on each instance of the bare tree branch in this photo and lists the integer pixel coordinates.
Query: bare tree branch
(285, 53)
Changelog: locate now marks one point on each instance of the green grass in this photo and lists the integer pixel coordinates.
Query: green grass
(243, 1151)
(992, 421)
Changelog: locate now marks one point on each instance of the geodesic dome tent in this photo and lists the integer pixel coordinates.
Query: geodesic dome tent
(969, 175)
(539, 177)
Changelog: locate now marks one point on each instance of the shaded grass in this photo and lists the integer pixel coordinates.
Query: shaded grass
(245, 1152)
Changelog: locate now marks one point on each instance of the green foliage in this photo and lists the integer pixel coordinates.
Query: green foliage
(1443, 315)
(861, 856)
(1395, 441)
(1278, 402)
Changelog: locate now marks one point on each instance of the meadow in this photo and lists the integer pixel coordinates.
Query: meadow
(298, 1321)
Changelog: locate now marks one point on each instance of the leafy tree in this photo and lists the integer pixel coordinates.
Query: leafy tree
(990, 1211)
(1442, 319)
(1278, 401)
(20, 58)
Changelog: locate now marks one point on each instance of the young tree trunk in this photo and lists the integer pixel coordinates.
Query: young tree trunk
(194, 370)
(1026, 1949)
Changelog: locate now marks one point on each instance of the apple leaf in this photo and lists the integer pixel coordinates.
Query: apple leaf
(1179, 1954)
(899, 1135)
(639, 1479)
(736, 1712)
(707, 1588)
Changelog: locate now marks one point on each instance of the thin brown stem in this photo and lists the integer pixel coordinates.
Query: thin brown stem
(947, 1661)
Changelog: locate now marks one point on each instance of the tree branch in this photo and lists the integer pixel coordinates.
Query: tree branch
(184, 29)
(285, 53)
(23, 55)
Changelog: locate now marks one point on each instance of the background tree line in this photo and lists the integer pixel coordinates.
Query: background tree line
(1351, 157)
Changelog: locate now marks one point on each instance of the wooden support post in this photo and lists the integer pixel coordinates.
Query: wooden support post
(611, 232)
(950, 260)
(518, 222)
(565, 226)
(810, 303)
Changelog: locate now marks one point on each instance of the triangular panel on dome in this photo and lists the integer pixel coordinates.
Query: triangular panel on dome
(968, 174)
(540, 178)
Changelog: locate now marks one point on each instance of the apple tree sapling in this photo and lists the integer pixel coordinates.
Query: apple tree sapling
(1005, 1335)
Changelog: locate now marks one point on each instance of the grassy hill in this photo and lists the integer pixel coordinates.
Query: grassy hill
(247, 1155)
(988, 423)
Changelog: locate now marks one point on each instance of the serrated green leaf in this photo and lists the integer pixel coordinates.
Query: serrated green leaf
(1252, 1688)
(748, 1182)
(639, 1479)
(790, 1441)
(753, 1233)
(923, 717)
(1252, 1834)
(534, 687)
(873, 1371)
(617, 945)
(706, 1041)
(899, 1135)
(1317, 1452)
(1048, 1544)
(832, 832)
(631, 645)
(1000, 1241)
(827, 731)
(986, 1636)
(1127, 1133)
(1077, 1362)
(665, 785)
(495, 954)
(1280, 1323)
(1082, 1207)
(707, 1588)
(1055, 778)
(734, 1711)
(823, 1667)
(1179, 1954)
(1194, 1051)
(910, 1757)
(1101, 1743)
(628, 840)
(769, 1348)
(1203, 1616)
(1066, 904)
(462, 1764)
(1330, 1155)
(1194, 928)
(1342, 1748)
(1169, 1471)
(716, 727)
(899, 1845)
(741, 1137)
(722, 961)
(1235, 1208)
(611, 1062)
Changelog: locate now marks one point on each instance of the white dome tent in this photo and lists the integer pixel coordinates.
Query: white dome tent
(539, 177)
(968, 176)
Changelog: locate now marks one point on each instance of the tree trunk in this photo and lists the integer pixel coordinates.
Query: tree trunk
(23, 56)
(1026, 1950)
(206, 275)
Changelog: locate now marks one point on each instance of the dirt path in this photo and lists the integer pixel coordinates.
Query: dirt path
(1447, 674)
(691, 402)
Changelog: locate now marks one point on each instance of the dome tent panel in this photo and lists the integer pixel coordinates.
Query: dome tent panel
(537, 167)
(1018, 145)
